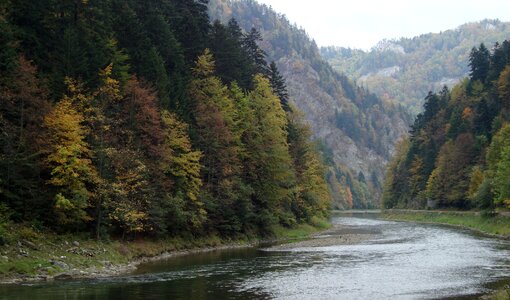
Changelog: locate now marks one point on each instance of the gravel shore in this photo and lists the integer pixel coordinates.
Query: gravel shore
(336, 235)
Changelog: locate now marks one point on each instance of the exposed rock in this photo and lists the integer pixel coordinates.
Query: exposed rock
(64, 276)
(29, 244)
(76, 244)
(59, 264)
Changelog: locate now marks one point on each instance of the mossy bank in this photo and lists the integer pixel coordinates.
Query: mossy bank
(31, 255)
(497, 224)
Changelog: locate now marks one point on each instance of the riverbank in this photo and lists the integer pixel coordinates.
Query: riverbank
(497, 225)
(30, 256)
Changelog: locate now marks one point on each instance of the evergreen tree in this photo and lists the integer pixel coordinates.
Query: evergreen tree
(256, 55)
(279, 86)
(479, 62)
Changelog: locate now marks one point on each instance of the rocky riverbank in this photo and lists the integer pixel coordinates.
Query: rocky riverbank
(30, 256)
(337, 235)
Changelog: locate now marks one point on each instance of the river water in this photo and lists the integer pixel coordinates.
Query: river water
(394, 260)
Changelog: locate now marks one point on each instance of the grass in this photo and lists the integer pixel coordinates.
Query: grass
(43, 247)
(500, 295)
(498, 225)
(301, 231)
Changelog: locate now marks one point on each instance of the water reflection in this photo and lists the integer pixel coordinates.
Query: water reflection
(399, 260)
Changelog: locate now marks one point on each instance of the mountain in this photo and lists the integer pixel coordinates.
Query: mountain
(458, 154)
(405, 70)
(358, 130)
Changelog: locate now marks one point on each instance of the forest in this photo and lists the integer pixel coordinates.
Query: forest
(356, 129)
(404, 70)
(458, 152)
(129, 118)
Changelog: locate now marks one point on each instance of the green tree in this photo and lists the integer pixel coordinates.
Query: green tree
(279, 86)
(215, 115)
(270, 165)
(498, 159)
(182, 166)
(479, 62)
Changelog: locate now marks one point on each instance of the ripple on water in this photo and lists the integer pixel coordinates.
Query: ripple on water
(395, 261)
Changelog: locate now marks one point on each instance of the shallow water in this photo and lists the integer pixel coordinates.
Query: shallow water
(396, 261)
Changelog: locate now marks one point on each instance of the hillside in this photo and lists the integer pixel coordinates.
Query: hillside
(357, 128)
(458, 154)
(117, 121)
(405, 70)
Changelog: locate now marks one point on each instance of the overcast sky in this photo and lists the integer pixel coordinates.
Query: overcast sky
(362, 23)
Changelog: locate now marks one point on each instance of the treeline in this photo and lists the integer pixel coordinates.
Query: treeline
(341, 112)
(129, 117)
(458, 154)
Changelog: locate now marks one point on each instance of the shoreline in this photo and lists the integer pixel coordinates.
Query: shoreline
(497, 226)
(113, 270)
(56, 259)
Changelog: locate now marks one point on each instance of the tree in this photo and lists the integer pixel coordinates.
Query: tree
(498, 160)
(182, 166)
(23, 105)
(312, 199)
(479, 62)
(270, 165)
(503, 85)
(279, 86)
(256, 55)
(69, 162)
(215, 115)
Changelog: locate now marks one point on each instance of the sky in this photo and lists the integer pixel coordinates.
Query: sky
(362, 23)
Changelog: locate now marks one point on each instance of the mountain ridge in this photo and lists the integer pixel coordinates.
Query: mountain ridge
(425, 63)
(358, 128)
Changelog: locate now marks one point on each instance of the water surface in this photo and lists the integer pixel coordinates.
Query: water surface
(396, 261)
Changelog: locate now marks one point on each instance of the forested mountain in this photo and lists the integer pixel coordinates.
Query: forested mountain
(458, 154)
(358, 130)
(125, 118)
(406, 69)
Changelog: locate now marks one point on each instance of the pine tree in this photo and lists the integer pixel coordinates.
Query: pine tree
(279, 86)
(257, 56)
(479, 62)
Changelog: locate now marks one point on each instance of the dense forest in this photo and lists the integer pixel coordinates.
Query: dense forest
(358, 130)
(405, 69)
(124, 118)
(458, 152)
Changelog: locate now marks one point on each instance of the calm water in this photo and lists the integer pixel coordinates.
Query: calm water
(398, 261)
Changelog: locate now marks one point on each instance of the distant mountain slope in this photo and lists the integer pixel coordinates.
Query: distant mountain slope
(405, 70)
(358, 128)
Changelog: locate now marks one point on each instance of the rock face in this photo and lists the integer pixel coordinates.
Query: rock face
(358, 129)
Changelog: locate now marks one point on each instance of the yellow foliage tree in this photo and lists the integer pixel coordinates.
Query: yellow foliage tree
(182, 165)
(69, 161)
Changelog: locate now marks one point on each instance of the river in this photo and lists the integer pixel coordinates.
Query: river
(392, 260)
